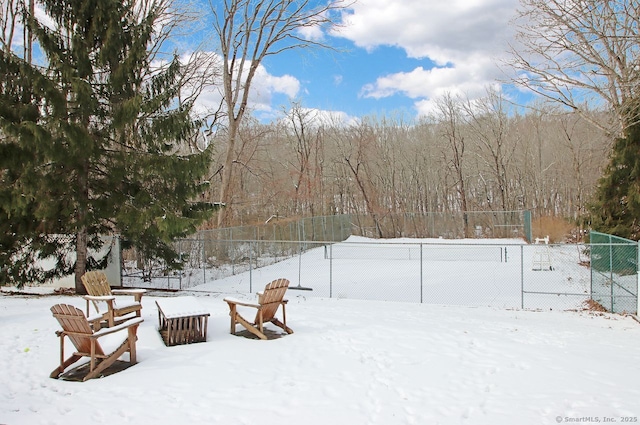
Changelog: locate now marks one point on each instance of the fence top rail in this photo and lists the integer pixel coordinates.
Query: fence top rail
(627, 244)
(387, 242)
(611, 237)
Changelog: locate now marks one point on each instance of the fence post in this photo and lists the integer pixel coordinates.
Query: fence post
(330, 270)
(204, 263)
(522, 277)
(421, 275)
(638, 278)
(611, 270)
(591, 265)
(251, 267)
(230, 249)
(299, 263)
(527, 226)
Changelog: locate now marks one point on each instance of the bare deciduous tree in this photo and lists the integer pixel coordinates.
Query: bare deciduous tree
(487, 118)
(304, 134)
(577, 52)
(357, 148)
(248, 32)
(449, 115)
(584, 158)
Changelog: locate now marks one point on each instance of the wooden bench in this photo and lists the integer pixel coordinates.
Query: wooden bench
(182, 320)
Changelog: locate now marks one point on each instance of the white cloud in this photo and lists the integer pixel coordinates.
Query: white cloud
(314, 33)
(467, 78)
(285, 84)
(263, 88)
(463, 37)
(444, 31)
(321, 117)
(266, 85)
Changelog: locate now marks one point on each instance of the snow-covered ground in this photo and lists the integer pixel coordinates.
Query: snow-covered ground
(348, 362)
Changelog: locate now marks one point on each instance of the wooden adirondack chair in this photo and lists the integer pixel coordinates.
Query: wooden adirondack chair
(268, 302)
(104, 298)
(86, 341)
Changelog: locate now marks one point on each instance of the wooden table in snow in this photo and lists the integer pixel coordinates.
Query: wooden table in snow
(182, 320)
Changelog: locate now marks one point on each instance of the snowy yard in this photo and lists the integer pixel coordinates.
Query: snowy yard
(348, 362)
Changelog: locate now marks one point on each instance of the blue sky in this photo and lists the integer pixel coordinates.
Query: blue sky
(392, 57)
(396, 56)
(337, 81)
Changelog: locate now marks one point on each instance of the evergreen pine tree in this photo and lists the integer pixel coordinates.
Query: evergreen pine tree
(616, 208)
(93, 144)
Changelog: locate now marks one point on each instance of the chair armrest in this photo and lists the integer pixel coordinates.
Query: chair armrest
(132, 291)
(136, 293)
(123, 325)
(230, 301)
(99, 297)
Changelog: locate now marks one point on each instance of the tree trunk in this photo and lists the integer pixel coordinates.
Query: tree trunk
(81, 259)
(225, 190)
(82, 234)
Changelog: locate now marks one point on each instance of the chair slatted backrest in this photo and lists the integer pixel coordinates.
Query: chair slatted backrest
(272, 297)
(96, 284)
(76, 326)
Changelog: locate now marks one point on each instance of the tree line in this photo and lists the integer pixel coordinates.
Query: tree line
(481, 155)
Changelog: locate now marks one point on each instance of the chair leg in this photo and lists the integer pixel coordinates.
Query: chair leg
(233, 313)
(132, 344)
(105, 363)
(111, 317)
(63, 365)
(282, 325)
(92, 353)
(236, 318)
(260, 322)
(250, 327)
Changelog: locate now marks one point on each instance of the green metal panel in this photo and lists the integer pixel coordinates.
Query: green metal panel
(614, 271)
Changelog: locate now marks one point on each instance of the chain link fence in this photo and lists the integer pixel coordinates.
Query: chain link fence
(503, 274)
(221, 252)
(321, 256)
(331, 228)
(196, 252)
(471, 224)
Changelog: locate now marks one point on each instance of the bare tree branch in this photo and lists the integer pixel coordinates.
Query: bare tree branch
(581, 54)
